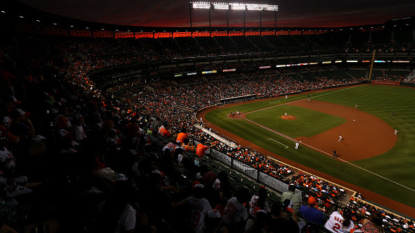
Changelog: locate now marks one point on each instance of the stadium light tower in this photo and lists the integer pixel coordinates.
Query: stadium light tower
(232, 6)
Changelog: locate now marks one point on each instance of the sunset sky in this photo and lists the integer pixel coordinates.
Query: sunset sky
(175, 13)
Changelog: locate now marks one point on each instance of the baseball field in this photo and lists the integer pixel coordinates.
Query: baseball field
(371, 158)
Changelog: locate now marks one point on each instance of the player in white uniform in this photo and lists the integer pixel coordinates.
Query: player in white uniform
(338, 223)
(296, 145)
(340, 137)
(199, 208)
(395, 132)
(235, 211)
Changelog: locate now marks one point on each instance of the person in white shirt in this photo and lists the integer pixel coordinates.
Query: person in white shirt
(117, 214)
(199, 208)
(235, 211)
(340, 223)
(259, 202)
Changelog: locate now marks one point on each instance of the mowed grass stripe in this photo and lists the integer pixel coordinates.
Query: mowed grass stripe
(397, 164)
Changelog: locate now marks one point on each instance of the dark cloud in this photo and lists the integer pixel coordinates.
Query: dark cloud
(176, 13)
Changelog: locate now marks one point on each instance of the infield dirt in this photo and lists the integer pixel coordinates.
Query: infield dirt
(370, 135)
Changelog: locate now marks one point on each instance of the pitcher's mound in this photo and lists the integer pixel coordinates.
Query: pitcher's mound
(288, 118)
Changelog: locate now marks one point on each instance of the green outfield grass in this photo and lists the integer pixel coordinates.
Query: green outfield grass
(397, 164)
(307, 124)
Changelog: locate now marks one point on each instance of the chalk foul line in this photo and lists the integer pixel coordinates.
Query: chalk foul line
(278, 142)
(314, 148)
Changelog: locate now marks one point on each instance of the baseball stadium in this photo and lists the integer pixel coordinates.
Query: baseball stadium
(184, 126)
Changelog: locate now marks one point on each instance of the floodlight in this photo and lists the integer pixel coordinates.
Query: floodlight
(237, 6)
(4, 12)
(21, 16)
(220, 6)
(254, 7)
(201, 5)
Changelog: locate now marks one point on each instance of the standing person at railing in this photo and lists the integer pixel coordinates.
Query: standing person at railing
(292, 196)
(201, 148)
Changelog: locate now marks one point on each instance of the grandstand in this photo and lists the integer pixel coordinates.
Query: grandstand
(113, 89)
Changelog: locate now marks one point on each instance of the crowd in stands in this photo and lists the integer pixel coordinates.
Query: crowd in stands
(73, 159)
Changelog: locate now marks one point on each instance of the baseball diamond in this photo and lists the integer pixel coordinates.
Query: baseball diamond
(368, 141)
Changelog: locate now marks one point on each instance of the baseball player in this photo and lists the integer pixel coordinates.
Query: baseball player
(237, 113)
(340, 137)
(355, 106)
(338, 223)
(334, 154)
(201, 120)
(286, 96)
(285, 114)
(296, 145)
(396, 132)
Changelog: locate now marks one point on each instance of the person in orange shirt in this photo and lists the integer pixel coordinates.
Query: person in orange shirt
(164, 132)
(201, 149)
(182, 136)
(188, 146)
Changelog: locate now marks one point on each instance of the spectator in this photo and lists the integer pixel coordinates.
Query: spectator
(199, 207)
(118, 213)
(340, 222)
(212, 223)
(78, 130)
(278, 224)
(292, 196)
(182, 136)
(201, 149)
(257, 225)
(373, 225)
(235, 211)
(258, 202)
(312, 214)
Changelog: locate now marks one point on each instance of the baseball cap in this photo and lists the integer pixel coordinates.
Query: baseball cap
(198, 186)
(19, 112)
(158, 172)
(214, 214)
(312, 201)
(64, 133)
